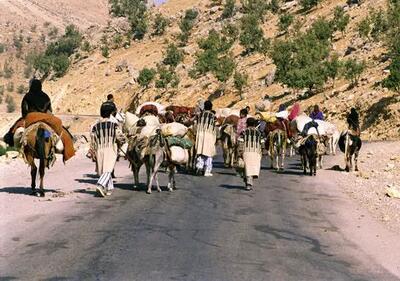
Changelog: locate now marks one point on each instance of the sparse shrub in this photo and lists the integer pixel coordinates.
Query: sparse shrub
(10, 87)
(46, 24)
(160, 25)
(33, 28)
(274, 6)
(8, 71)
(60, 65)
(379, 23)
(53, 32)
(186, 25)
(135, 12)
(10, 104)
(322, 29)
(214, 57)
(117, 41)
(2, 48)
(105, 51)
(229, 9)
(285, 20)
(353, 70)
(364, 28)
(307, 5)
(230, 31)
(21, 89)
(17, 42)
(251, 34)
(258, 8)
(86, 46)
(1, 90)
(225, 67)
(146, 76)
(173, 56)
(333, 67)
(240, 80)
(166, 76)
(340, 19)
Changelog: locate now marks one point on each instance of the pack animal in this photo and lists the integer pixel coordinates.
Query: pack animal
(39, 143)
(308, 154)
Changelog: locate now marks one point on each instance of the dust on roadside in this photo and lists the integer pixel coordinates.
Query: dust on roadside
(379, 172)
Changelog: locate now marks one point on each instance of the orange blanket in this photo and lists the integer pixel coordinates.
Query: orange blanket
(56, 124)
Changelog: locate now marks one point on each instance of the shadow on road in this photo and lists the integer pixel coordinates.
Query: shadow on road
(230, 186)
(22, 190)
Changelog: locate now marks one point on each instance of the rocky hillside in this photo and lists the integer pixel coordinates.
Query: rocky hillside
(93, 75)
(27, 26)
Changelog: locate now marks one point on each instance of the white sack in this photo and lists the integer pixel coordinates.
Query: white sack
(174, 129)
(179, 155)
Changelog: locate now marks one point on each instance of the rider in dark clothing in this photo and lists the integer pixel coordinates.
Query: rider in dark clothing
(108, 107)
(35, 100)
(353, 121)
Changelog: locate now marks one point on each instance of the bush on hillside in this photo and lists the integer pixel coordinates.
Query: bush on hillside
(340, 19)
(322, 29)
(274, 6)
(257, 8)
(240, 80)
(166, 76)
(173, 55)
(353, 70)
(186, 25)
(8, 71)
(307, 5)
(229, 9)
(160, 24)
(135, 12)
(10, 87)
(10, 104)
(285, 20)
(21, 89)
(230, 31)
(2, 48)
(146, 76)
(252, 36)
(300, 61)
(364, 28)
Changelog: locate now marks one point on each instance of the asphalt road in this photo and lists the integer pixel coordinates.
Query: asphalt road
(208, 229)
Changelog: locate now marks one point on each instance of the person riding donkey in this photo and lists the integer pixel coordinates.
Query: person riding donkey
(105, 137)
(250, 152)
(35, 108)
(206, 137)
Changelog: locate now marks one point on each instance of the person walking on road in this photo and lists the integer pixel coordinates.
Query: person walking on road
(250, 142)
(206, 137)
(105, 136)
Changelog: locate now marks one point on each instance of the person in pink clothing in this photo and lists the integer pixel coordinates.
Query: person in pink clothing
(241, 125)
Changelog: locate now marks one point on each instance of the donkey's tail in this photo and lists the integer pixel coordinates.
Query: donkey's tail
(40, 143)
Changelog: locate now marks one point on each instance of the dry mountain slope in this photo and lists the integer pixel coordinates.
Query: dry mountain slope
(89, 80)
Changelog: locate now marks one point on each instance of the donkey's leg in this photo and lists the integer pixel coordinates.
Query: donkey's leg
(33, 178)
(135, 170)
(149, 176)
(171, 171)
(42, 167)
(356, 160)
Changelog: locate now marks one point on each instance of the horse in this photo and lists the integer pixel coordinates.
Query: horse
(308, 153)
(277, 148)
(39, 142)
(350, 144)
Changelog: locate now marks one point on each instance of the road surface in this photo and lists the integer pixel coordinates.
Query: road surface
(290, 227)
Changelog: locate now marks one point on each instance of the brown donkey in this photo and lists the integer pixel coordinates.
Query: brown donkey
(39, 143)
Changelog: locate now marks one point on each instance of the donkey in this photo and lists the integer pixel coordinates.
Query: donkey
(150, 152)
(350, 145)
(228, 140)
(39, 143)
(277, 148)
(308, 153)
